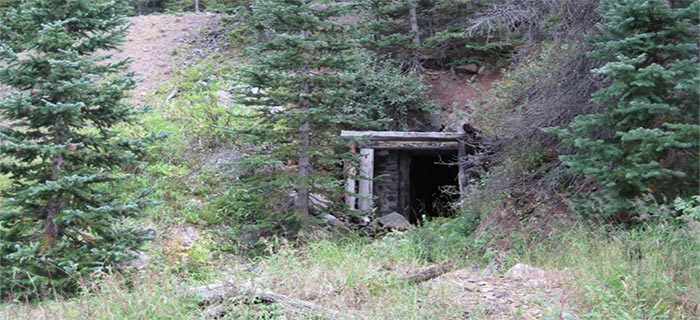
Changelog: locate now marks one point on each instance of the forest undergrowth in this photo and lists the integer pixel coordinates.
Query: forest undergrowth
(521, 210)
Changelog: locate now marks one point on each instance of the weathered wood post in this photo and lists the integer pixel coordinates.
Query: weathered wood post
(351, 183)
(463, 175)
(364, 203)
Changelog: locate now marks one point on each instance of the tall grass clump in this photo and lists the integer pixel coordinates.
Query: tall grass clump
(156, 295)
(354, 276)
(650, 272)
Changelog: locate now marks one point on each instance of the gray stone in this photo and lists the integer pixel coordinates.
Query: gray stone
(225, 161)
(535, 283)
(567, 315)
(522, 271)
(140, 261)
(331, 220)
(471, 287)
(394, 221)
(485, 289)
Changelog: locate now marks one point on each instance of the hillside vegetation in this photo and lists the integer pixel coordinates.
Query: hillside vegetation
(213, 187)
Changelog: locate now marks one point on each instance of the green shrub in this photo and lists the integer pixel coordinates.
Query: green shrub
(61, 218)
(647, 140)
(390, 99)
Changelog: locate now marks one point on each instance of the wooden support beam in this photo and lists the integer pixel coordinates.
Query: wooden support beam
(351, 188)
(463, 175)
(351, 183)
(412, 145)
(404, 136)
(364, 203)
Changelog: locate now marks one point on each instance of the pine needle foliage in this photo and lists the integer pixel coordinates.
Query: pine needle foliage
(300, 81)
(61, 218)
(647, 138)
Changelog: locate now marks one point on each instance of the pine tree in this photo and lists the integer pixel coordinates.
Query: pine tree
(62, 217)
(300, 80)
(647, 138)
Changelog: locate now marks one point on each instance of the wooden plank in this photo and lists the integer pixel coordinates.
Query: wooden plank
(412, 145)
(403, 136)
(364, 203)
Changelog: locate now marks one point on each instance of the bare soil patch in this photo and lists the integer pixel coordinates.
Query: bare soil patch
(457, 96)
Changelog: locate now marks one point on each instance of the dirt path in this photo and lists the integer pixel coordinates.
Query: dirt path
(524, 292)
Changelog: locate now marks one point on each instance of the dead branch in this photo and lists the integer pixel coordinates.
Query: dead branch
(170, 95)
(426, 273)
(220, 296)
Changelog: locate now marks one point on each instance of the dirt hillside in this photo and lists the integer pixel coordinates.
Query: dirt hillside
(159, 44)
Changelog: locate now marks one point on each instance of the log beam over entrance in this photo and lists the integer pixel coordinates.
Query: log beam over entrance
(403, 136)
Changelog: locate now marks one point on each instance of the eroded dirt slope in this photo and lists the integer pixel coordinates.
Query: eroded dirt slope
(160, 44)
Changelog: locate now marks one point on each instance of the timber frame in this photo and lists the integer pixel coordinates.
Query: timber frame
(359, 183)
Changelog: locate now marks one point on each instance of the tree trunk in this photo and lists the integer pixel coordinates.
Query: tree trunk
(415, 63)
(414, 25)
(302, 201)
(50, 229)
(196, 6)
(54, 204)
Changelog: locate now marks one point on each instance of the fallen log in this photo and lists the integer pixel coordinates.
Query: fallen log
(218, 296)
(427, 273)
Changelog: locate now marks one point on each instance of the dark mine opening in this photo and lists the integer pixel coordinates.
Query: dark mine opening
(433, 185)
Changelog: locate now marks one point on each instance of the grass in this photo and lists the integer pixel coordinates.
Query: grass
(646, 273)
(112, 296)
(354, 277)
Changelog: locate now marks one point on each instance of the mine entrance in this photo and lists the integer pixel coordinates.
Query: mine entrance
(415, 174)
(433, 184)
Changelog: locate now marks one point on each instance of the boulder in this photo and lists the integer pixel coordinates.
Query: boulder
(394, 221)
(471, 68)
